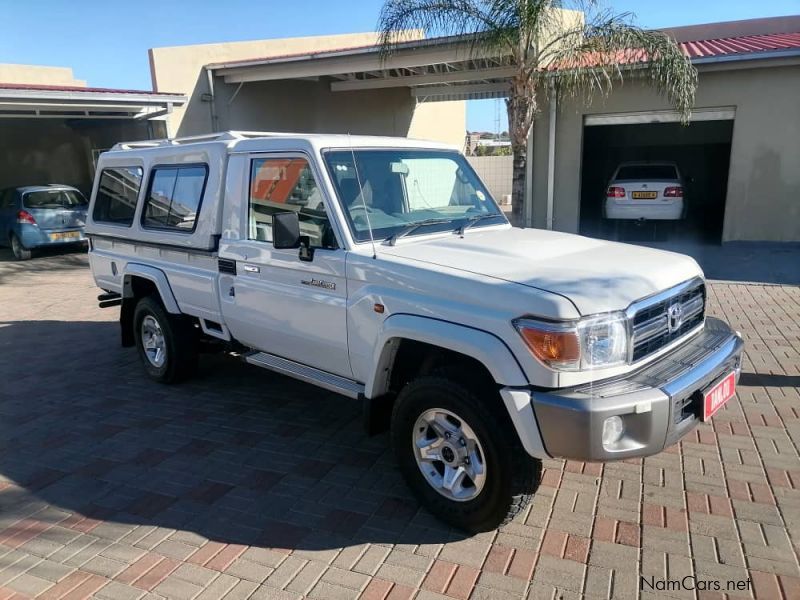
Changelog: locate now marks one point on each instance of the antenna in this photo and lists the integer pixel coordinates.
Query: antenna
(361, 193)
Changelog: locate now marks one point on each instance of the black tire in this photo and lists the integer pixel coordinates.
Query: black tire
(180, 341)
(20, 251)
(512, 476)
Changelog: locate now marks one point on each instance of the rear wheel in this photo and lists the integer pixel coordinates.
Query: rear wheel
(166, 343)
(459, 453)
(20, 251)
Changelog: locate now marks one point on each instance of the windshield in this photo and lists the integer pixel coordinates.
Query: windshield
(646, 173)
(54, 199)
(399, 189)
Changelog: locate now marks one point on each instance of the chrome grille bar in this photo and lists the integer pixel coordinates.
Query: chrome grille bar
(651, 327)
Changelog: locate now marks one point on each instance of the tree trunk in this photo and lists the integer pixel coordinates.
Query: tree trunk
(521, 106)
(518, 183)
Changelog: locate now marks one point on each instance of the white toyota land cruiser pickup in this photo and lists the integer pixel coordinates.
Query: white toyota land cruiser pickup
(381, 269)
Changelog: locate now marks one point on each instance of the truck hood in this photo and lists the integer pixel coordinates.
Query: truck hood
(596, 275)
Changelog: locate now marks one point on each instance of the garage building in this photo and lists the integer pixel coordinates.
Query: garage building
(740, 156)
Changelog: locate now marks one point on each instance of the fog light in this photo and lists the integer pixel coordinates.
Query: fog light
(613, 430)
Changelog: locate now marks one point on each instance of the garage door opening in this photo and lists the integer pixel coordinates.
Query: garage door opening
(43, 151)
(702, 152)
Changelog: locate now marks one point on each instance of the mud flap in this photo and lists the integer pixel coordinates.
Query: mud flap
(377, 413)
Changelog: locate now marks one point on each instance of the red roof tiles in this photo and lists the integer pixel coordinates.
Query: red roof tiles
(741, 45)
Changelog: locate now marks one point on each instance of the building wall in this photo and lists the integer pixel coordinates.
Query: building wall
(764, 181)
(180, 69)
(495, 172)
(295, 105)
(310, 106)
(439, 121)
(39, 75)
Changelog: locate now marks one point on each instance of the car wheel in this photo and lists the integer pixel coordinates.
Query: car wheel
(166, 343)
(459, 453)
(20, 251)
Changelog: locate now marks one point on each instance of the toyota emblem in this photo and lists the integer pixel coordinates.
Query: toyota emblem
(674, 317)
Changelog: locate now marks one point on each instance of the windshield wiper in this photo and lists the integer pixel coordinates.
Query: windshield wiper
(473, 221)
(412, 227)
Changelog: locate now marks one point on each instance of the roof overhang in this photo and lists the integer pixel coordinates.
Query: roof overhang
(448, 68)
(424, 66)
(43, 102)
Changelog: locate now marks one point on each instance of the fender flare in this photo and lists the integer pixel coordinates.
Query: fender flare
(159, 279)
(485, 347)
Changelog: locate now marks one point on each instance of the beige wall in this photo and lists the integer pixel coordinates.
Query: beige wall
(440, 121)
(39, 75)
(295, 105)
(310, 106)
(764, 181)
(180, 69)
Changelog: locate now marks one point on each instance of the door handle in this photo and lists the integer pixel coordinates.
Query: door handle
(232, 292)
(251, 269)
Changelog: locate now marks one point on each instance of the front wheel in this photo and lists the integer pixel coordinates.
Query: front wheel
(166, 343)
(20, 251)
(459, 453)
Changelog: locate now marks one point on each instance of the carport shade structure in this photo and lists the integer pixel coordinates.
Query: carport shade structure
(53, 134)
(30, 101)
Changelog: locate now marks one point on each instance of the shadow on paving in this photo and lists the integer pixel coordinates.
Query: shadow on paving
(237, 455)
(766, 380)
(44, 261)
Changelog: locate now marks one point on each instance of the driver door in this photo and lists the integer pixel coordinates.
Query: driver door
(276, 302)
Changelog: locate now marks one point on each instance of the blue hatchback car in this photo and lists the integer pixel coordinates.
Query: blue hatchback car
(42, 215)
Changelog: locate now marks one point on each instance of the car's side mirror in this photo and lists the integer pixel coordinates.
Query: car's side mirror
(285, 230)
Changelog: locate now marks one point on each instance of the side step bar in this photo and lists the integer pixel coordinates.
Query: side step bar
(323, 379)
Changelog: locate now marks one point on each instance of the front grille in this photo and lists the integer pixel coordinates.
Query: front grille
(653, 325)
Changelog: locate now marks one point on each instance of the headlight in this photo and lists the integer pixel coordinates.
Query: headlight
(604, 341)
(590, 343)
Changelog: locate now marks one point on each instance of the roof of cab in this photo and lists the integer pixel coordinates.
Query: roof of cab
(253, 141)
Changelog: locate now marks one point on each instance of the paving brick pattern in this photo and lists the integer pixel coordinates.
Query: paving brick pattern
(244, 484)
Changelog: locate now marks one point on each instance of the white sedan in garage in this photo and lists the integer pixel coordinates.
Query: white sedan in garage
(645, 191)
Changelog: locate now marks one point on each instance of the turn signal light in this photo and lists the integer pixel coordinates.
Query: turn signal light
(552, 346)
(673, 192)
(23, 216)
(615, 192)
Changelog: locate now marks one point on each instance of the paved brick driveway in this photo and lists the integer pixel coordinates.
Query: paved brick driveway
(246, 484)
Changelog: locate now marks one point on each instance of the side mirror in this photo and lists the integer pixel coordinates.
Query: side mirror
(285, 230)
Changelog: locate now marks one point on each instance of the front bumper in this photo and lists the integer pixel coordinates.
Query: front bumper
(668, 211)
(658, 404)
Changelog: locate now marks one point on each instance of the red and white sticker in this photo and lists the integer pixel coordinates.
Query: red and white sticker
(716, 397)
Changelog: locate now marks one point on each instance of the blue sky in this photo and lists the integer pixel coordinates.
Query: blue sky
(106, 42)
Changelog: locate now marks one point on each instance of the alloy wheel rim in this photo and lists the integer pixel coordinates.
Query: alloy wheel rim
(153, 343)
(449, 454)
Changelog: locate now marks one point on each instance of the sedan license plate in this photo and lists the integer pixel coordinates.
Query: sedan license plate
(644, 195)
(716, 397)
(61, 236)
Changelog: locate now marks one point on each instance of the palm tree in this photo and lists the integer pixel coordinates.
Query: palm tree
(552, 51)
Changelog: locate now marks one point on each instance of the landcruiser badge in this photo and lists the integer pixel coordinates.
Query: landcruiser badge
(674, 317)
(328, 285)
